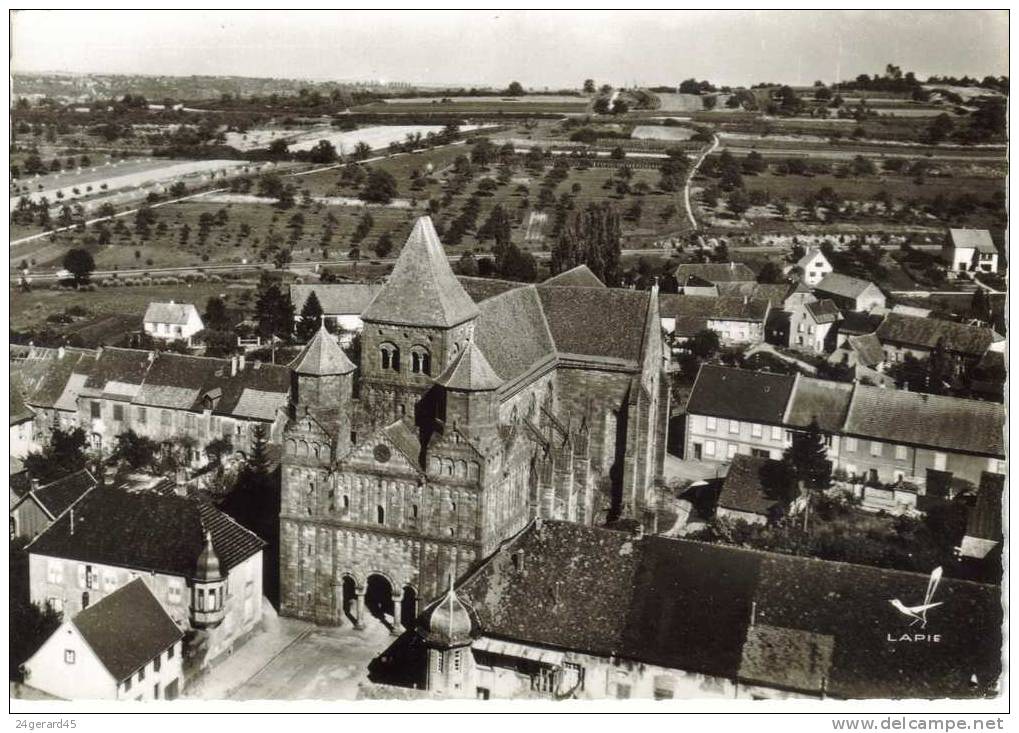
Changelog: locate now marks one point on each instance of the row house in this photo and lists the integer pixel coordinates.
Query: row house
(904, 335)
(202, 566)
(851, 293)
(611, 625)
(736, 320)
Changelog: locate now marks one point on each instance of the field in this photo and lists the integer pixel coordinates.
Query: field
(679, 102)
(377, 137)
(657, 132)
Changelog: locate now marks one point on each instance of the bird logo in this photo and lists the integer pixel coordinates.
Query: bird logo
(919, 613)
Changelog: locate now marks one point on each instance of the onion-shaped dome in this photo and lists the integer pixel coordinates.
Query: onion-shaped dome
(208, 569)
(448, 623)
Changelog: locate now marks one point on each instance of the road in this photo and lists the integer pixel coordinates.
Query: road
(689, 179)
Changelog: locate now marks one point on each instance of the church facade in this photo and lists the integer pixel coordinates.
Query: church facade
(466, 418)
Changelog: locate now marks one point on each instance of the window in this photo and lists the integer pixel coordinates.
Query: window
(68, 656)
(155, 691)
(456, 661)
(662, 694)
(173, 591)
(483, 693)
(440, 660)
(756, 430)
(731, 450)
(189, 422)
(166, 418)
(851, 445)
(170, 652)
(55, 571)
(622, 691)
(157, 663)
(57, 604)
(940, 461)
(776, 433)
(380, 515)
(97, 410)
(127, 684)
(900, 452)
(420, 360)
(118, 413)
(712, 423)
(875, 449)
(390, 357)
(140, 415)
(709, 447)
(734, 426)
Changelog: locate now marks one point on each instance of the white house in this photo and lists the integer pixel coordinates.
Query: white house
(22, 435)
(970, 250)
(810, 326)
(342, 304)
(172, 321)
(124, 647)
(851, 293)
(814, 266)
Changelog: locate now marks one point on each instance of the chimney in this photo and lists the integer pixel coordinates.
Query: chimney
(638, 532)
(35, 485)
(233, 366)
(180, 481)
(241, 361)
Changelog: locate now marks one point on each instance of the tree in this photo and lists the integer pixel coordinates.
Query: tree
(779, 481)
(384, 245)
(807, 459)
(273, 311)
(515, 89)
(64, 455)
(31, 624)
(602, 106)
(704, 344)
(738, 202)
(940, 128)
(468, 265)
(770, 273)
(519, 265)
(589, 87)
(80, 264)
(379, 187)
(311, 318)
(217, 449)
(135, 450)
(590, 236)
(216, 316)
(323, 152)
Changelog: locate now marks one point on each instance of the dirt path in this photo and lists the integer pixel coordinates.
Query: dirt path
(689, 179)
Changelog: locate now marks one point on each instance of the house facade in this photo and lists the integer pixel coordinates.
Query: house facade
(813, 266)
(35, 506)
(342, 304)
(811, 326)
(736, 320)
(850, 293)
(970, 250)
(172, 321)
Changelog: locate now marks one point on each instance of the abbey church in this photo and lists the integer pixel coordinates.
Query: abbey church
(477, 406)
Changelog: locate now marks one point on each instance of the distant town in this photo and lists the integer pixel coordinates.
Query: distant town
(360, 390)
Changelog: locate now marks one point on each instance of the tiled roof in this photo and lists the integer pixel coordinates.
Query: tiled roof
(699, 309)
(513, 334)
(483, 288)
(845, 286)
(823, 311)
(176, 313)
(406, 440)
(776, 293)
(809, 256)
(826, 400)
(127, 629)
(597, 322)
(978, 239)
(701, 608)
(934, 421)
(716, 272)
(856, 322)
(146, 531)
(19, 411)
(64, 378)
(470, 372)
(259, 405)
(740, 394)
(742, 489)
(322, 356)
(336, 299)
(985, 517)
(579, 276)
(868, 349)
(926, 332)
(422, 289)
(158, 395)
(125, 366)
(57, 497)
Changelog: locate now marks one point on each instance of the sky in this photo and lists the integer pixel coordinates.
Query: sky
(538, 48)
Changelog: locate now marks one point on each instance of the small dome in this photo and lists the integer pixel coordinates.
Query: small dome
(447, 623)
(207, 568)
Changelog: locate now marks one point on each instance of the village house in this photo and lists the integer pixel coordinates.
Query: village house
(22, 417)
(202, 566)
(735, 320)
(342, 304)
(470, 417)
(743, 495)
(813, 267)
(983, 526)
(566, 611)
(172, 321)
(124, 647)
(850, 293)
(970, 250)
(903, 336)
(862, 350)
(811, 326)
(51, 380)
(35, 506)
(701, 278)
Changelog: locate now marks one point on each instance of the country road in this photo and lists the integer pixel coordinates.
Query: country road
(689, 179)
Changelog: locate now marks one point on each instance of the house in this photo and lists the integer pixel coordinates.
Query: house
(22, 432)
(701, 278)
(983, 527)
(124, 647)
(903, 336)
(811, 326)
(35, 507)
(342, 304)
(813, 267)
(743, 495)
(850, 293)
(780, 295)
(579, 276)
(202, 566)
(172, 321)
(970, 250)
(732, 411)
(735, 320)
(566, 611)
(51, 379)
(862, 350)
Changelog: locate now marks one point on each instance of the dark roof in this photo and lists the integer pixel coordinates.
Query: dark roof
(689, 605)
(513, 334)
(776, 293)
(579, 276)
(716, 272)
(868, 349)
(826, 400)
(844, 286)
(823, 311)
(926, 332)
(935, 421)
(742, 489)
(58, 376)
(606, 323)
(740, 394)
(322, 356)
(343, 299)
(694, 311)
(127, 366)
(858, 322)
(19, 411)
(985, 516)
(127, 629)
(148, 531)
(470, 372)
(483, 288)
(422, 289)
(60, 495)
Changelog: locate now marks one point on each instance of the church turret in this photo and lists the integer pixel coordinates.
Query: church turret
(469, 385)
(208, 588)
(448, 630)
(322, 380)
